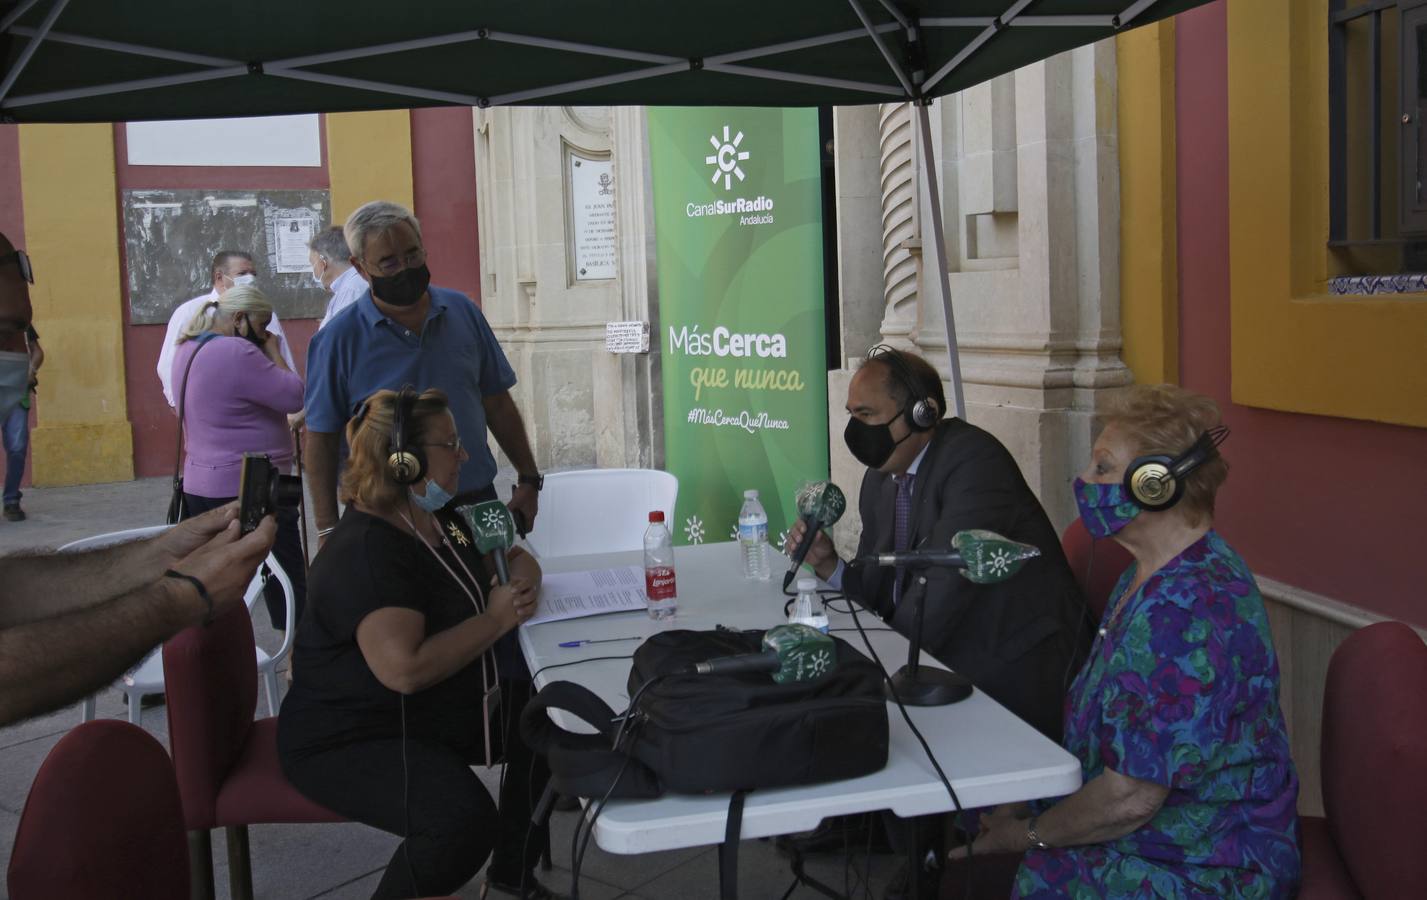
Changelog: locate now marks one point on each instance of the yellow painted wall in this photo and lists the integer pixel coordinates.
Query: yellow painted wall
(1294, 346)
(72, 234)
(369, 158)
(1149, 272)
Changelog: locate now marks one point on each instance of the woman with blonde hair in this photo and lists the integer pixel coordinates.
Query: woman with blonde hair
(1188, 786)
(234, 393)
(407, 670)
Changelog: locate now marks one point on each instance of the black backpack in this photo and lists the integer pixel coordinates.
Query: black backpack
(695, 734)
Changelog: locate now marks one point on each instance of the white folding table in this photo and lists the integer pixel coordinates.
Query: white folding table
(989, 754)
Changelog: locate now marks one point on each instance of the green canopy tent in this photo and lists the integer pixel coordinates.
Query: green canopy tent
(100, 60)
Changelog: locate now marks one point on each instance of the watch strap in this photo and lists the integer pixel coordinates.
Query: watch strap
(536, 481)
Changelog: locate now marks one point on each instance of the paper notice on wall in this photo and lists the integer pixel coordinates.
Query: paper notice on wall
(626, 337)
(291, 235)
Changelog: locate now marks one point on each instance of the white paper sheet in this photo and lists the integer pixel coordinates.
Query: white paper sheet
(574, 595)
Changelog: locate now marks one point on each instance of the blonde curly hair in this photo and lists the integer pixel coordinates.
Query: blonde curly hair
(1165, 419)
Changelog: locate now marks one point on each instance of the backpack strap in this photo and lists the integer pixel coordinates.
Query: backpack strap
(584, 765)
(728, 850)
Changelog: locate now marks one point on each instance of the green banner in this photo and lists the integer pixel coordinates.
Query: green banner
(738, 217)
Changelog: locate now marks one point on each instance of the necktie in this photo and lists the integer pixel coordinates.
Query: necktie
(902, 528)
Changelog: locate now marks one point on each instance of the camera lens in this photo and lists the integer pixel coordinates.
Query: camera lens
(284, 492)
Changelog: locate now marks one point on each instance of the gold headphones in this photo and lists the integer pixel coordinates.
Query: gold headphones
(1156, 481)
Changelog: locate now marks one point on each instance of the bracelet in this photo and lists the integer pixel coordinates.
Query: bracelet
(1035, 839)
(323, 532)
(202, 592)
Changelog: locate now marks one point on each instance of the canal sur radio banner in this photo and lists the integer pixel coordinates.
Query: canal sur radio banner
(738, 219)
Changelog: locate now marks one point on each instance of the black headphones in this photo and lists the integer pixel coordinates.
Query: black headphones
(406, 463)
(921, 411)
(1156, 482)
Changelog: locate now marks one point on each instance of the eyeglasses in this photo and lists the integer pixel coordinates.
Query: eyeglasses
(22, 260)
(393, 264)
(454, 445)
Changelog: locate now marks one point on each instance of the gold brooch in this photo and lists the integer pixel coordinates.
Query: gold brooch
(457, 533)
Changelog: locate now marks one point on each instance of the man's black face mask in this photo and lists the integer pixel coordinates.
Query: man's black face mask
(404, 288)
(871, 445)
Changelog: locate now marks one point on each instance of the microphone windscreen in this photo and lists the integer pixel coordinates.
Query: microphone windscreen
(988, 557)
(821, 501)
(804, 653)
(491, 523)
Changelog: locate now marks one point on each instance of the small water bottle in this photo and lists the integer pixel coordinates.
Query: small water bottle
(659, 590)
(753, 537)
(808, 609)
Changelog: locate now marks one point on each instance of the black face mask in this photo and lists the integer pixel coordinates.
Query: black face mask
(871, 445)
(404, 288)
(252, 334)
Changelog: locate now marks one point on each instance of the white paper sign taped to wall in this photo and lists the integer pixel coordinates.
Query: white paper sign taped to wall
(626, 337)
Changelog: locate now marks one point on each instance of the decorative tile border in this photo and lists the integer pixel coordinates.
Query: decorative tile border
(1366, 285)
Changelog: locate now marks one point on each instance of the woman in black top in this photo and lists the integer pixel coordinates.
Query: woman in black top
(393, 697)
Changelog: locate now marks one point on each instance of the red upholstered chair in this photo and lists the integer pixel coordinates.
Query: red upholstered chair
(1097, 565)
(1374, 770)
(103, 812)
(227, 764)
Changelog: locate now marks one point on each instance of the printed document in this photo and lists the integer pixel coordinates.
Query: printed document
(574, 595)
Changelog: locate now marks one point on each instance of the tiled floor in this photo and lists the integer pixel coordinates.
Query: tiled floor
(345, 861)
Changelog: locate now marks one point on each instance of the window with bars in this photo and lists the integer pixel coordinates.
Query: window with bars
(1377, 145)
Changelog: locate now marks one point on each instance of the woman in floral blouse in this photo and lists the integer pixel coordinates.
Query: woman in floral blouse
(1189, 790)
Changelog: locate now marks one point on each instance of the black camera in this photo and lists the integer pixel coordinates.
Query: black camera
(263, 490)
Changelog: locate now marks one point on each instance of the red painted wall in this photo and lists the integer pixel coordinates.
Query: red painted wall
(153, 421)
(443, 163)
(1334, 506)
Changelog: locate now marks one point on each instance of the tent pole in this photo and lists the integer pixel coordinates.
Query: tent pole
(938, 254)
(15, 14)
(14, 74)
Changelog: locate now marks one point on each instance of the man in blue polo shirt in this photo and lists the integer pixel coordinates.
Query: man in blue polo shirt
(403, 331)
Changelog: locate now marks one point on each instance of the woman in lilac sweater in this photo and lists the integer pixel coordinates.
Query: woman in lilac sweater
(239, 393)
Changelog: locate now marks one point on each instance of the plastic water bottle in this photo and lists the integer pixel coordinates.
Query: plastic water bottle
(808, 609)
(659, 588)
(753, 537)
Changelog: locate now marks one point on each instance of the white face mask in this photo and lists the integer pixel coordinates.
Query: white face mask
(317, 280)
(245, 278)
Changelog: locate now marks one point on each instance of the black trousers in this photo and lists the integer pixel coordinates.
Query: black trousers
(448, 821)
(288, 550)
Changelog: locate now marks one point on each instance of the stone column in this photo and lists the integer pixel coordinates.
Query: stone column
(1030, 197)
(901, 232)
(583, 406)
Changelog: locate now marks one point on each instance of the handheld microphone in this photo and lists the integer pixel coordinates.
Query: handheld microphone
(820, 505)
(983, 557)
(494, 530)
(766, 661)
(790, 653)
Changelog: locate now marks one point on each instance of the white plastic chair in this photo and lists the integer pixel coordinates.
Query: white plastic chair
(147, 676)
(600, 510)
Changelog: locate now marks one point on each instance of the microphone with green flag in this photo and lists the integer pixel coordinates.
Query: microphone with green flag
(494, 530)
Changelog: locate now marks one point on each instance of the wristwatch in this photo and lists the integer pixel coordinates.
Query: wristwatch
(536, 481)
(1035, 839)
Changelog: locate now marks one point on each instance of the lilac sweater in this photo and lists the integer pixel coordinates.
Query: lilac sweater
(237, 403)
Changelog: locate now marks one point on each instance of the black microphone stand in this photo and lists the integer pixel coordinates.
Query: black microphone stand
(918, 685)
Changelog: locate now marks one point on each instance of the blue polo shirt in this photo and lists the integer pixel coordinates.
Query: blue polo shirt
(362, 351)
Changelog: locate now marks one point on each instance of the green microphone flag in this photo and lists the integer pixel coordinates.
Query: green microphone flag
(494, 529)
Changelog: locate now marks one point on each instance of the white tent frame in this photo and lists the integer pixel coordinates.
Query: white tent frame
(910, 87)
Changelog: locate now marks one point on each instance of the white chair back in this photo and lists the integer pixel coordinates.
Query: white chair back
(600, 510)
(107, 539)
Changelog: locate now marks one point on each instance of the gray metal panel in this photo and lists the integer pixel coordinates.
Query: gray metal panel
(170, 238)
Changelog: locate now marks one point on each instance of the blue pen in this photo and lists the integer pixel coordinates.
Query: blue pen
(599, 641)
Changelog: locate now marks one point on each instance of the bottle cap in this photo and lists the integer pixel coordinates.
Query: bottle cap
(807, 583)
(750, 494)
(656, 515)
